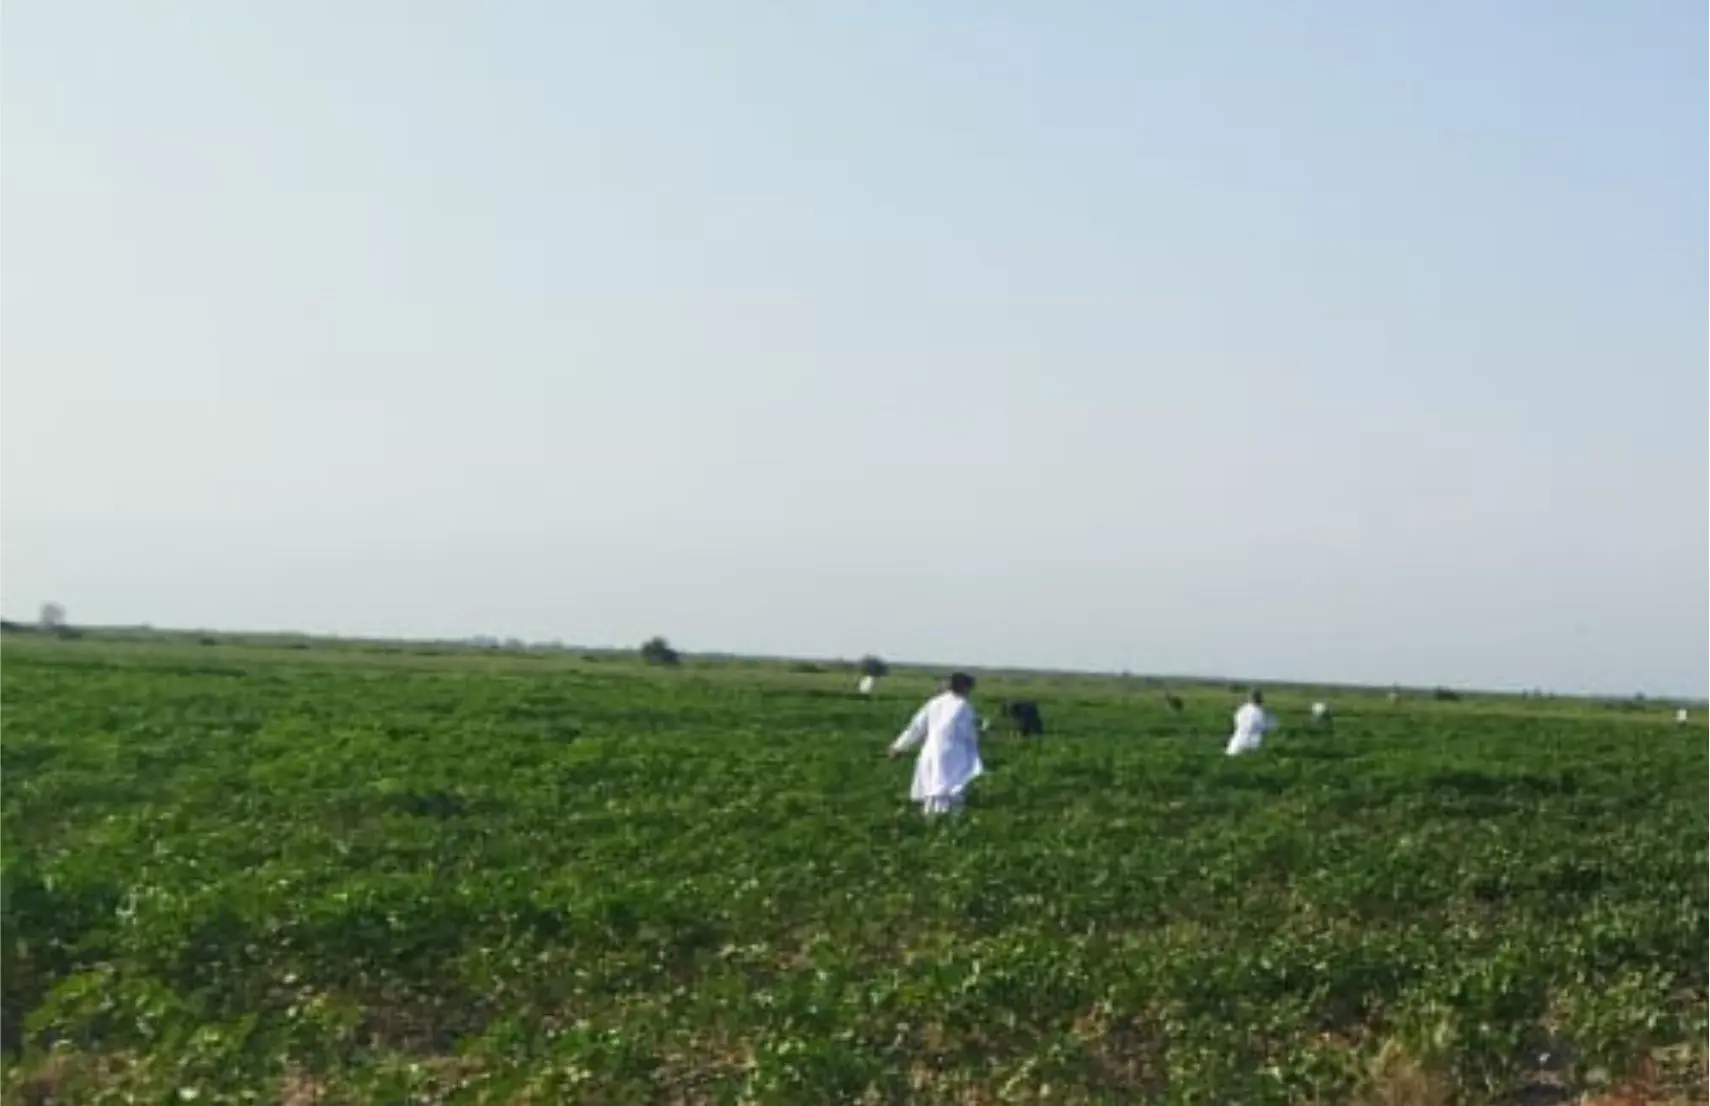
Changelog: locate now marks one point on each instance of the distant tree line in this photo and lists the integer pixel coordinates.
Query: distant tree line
(51, 620)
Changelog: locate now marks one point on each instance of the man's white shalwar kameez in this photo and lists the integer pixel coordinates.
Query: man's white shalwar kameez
(1252, 722)
(948, 735)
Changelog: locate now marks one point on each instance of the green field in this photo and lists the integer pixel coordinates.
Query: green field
(236, 873)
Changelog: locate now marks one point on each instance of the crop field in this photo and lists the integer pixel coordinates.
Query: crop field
(343, 874)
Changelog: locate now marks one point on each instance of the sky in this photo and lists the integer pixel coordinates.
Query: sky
(1333, 340)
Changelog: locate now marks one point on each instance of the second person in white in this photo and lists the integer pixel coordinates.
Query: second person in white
(1252, 723)
(947, 732)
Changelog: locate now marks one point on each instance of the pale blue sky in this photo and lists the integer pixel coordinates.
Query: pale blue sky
(1333, 340)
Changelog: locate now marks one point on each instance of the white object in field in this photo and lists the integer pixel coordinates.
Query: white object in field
(947, 733)
(1395, 696)
(866, 685)
(1320, 710)
(1252, 723)
(1681, 717)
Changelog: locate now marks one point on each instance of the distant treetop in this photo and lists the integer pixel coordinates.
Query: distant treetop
(656, 650)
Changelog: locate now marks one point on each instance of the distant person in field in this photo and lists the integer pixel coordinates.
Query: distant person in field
(1252, 723)
(947, 731)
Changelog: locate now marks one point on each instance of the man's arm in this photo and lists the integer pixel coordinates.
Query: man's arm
(913, 734)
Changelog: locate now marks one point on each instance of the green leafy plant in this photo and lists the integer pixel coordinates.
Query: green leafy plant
(257, 872)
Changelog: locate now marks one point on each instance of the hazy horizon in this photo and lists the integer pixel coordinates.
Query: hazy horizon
(1322, 344)
(482, 644)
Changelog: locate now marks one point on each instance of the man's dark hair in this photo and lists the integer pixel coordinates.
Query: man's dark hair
(961, 683)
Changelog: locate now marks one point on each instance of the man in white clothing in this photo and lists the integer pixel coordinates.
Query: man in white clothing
(947, 732)
(1252, 722)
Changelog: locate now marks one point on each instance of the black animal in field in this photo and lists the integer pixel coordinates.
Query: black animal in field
(1023, 715)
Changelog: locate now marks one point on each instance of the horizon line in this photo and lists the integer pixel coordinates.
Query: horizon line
(511, 644)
